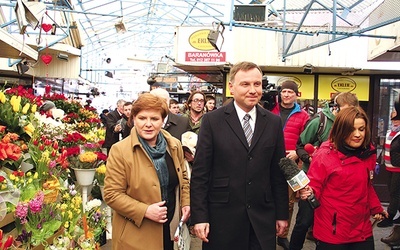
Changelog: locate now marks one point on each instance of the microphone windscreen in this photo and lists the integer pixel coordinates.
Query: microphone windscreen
(309, 148)
(289, 168)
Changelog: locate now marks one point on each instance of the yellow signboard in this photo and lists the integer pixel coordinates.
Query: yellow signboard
(327, 85)
(331, 84)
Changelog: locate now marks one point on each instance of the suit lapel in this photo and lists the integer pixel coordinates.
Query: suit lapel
(234, 123)
(261, 122)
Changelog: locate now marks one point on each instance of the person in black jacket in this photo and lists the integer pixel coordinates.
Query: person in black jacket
(103, 116)
(113, 128)
(176, 125)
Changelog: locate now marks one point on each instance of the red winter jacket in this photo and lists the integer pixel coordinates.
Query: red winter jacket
(344, 188)
(293, 126)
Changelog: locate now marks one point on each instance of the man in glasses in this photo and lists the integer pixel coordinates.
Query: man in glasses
(195, 102)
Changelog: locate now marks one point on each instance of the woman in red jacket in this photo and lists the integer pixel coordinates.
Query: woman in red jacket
(341, 178)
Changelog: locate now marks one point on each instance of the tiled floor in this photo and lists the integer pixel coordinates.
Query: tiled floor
(308, 245)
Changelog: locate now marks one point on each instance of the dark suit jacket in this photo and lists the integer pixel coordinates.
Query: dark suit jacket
(234, 186)
(111, 137)
(177, 125)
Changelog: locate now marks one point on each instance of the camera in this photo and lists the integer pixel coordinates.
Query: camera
(270, 93)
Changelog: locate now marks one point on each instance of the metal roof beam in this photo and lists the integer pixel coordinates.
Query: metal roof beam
(357, 33)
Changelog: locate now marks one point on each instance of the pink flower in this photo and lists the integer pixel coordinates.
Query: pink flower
(21, 211)
(52, 164)
(36, 204)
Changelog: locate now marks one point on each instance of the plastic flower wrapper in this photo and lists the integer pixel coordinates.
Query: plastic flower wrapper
(38, 218)
(11, 184)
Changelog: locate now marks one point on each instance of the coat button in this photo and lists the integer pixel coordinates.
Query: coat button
(249, 182)
(249, 158)
(248, 206)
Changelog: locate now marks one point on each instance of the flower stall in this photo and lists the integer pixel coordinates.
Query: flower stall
(41, 194)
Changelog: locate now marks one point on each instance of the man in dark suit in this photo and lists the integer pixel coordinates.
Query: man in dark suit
(239, 196)
(176, 125)
(113, 128)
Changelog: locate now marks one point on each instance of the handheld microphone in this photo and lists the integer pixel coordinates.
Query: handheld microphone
(296, 178)
(309, 148)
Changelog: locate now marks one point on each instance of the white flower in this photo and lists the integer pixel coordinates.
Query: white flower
(92, 204)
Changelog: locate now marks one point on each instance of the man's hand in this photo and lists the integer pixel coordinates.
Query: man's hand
(281, 226)
(118, 128)
(291, 154)
(185, 213)
(201, 230)
(188, 156)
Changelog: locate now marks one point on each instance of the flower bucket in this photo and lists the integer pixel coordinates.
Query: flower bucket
(84, 177)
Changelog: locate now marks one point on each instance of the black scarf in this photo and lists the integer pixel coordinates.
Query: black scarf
(361, 153)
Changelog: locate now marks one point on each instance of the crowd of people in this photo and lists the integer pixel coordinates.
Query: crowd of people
(232, 192)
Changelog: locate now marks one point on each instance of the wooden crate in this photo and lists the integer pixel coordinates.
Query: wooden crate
(49, 240)
(9, 218)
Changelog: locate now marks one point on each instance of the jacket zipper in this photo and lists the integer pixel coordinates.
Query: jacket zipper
(334, 223)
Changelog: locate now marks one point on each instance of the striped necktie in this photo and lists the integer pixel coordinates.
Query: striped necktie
(248, 132)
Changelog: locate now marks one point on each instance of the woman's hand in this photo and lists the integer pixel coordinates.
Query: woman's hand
(157, 212)
(382, 215)
(305, 192)
(185, 213)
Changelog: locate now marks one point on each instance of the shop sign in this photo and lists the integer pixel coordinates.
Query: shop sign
(199, 40)
(205, 56)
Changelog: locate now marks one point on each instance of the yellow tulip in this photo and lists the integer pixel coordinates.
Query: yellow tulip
(29, 129)
(34, 108)
(2, 97)
(25, 108)
(15, 103)
(13, 100)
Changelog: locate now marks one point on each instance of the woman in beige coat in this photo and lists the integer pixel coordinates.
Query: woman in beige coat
(146, 182)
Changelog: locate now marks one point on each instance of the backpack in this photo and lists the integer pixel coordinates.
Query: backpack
(321, 127)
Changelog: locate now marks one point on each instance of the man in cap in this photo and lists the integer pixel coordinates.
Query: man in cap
(47, 108)
(294, 120)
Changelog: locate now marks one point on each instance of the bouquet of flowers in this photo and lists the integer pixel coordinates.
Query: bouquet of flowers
(69, 207)
(87, 156)
(16, 111)
(47, 157)
(37, 218)
(11, 148)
